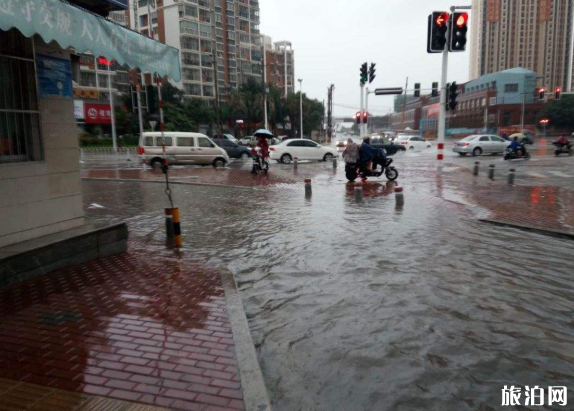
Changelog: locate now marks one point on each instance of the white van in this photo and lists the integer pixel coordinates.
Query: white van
(181, 148)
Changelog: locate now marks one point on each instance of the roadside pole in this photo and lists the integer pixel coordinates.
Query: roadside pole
(442, 116)
(361, 116)
(112, 110)
(265, 87)
(367, 111)
(140, 115)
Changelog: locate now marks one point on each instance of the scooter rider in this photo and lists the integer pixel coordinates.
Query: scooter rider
(370, 154)
(516, 145)
(563, 141)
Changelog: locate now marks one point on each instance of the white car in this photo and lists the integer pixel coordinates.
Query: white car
(246, 141)
(303, 149)
(413, 142)
(479, 144)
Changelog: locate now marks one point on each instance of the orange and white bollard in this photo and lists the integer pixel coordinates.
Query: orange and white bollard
(178, 239)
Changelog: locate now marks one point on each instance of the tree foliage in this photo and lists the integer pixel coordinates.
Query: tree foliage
(560, 112)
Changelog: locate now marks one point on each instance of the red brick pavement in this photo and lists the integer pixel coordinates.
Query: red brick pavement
(130, 327)
(224, 176)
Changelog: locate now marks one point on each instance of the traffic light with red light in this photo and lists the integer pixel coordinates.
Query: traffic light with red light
(557, 93)
(457, 28)
(437, 28)
(365, 117)
(358, 117)
(541, 93)
(364, 73)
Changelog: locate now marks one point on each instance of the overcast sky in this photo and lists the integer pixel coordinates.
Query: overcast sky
(332, 38)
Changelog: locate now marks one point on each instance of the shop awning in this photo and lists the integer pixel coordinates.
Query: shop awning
(71, 26)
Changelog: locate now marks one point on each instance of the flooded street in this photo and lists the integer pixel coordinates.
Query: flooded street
(362, 306)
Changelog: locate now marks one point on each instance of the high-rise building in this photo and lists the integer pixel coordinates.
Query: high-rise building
(279, 64)
(226, 31)
(533, 34)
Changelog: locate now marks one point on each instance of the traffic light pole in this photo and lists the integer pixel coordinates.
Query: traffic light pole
(442, 115)
(361, 117)
(366, 132)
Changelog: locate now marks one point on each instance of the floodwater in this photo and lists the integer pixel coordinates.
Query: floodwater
(362, 306)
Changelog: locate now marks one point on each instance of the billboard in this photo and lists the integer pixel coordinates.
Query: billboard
(97, 113)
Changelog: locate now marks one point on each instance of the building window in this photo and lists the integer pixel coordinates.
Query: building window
(511, 88)
(20, 138)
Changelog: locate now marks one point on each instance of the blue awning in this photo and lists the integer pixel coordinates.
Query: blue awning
(71, 26)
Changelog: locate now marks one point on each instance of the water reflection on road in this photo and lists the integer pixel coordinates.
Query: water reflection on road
(359, 306)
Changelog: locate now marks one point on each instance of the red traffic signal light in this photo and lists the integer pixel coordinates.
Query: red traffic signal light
(437, 28)
(541, 93)
(557, 93)
(365, 116)
(358, 117)
(461, 19)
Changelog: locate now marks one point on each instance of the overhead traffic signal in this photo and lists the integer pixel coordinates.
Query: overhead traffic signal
(364, 74)
(437, 28)
(541, 93)
(417, 89)
(457, 28)
(452, 90)
(358, 117)
(372, 72)
(557, 93)
(365, 117)
(434, 92)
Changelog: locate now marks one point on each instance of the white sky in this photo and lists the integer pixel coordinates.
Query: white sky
(332, 38)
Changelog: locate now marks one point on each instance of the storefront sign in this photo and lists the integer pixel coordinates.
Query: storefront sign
(72, 26)
(79, 109)
(97, 113)
(85, 93)
(433, 110)
(54, 77)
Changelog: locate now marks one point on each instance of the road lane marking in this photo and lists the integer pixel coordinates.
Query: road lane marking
(535, 175)
(560, 174)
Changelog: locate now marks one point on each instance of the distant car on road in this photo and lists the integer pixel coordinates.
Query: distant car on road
(412, 142)
(480, 144)
(233, 150)
(341, 144)
(301, 148)
(246, 141)
(390, 147)
(225, 137)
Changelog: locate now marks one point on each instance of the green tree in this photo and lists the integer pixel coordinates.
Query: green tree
(560, 112)
(177, 118)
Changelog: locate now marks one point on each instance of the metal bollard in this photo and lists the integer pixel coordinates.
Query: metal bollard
(295, 162)
(169, 225)
(308, 188)
(476, 167)
(511, 174)
(491, 171)
(334, 163)
(399, 198)
(358, 191)
(177, 228)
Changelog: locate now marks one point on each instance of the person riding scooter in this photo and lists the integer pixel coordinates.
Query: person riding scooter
(371, 156)
(517, 147)
(563, 141)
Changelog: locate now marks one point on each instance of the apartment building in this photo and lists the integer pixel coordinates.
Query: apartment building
(534, 34)
(219, 40)
(280, 65)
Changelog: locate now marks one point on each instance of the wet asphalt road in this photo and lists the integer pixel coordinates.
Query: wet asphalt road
(360, 306)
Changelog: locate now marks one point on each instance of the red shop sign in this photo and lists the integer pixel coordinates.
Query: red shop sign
(97, 113)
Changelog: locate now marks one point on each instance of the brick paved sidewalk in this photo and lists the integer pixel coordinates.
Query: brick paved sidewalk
(212, 176)
(132, 327)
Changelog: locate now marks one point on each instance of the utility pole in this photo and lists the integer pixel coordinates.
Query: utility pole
(367, 111)
(301, 107)
(330, 113)
(405, 104)
(218, 112)
(442, 113)
(361, 135)
(112, 110)
(265, 86)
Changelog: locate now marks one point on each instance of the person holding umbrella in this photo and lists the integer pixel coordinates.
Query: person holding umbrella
(263, 146)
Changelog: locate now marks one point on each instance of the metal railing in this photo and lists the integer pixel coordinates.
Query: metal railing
(94, 155)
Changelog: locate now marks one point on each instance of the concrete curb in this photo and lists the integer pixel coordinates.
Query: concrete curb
(131, 180)
(550, 233)
(255, 394)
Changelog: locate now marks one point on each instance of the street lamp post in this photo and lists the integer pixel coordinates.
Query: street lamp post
(301, 106)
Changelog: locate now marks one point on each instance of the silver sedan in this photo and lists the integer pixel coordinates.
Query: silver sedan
(480, 144)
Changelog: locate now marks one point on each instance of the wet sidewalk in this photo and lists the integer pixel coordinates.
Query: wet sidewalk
(134, 327)
(210, 176)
